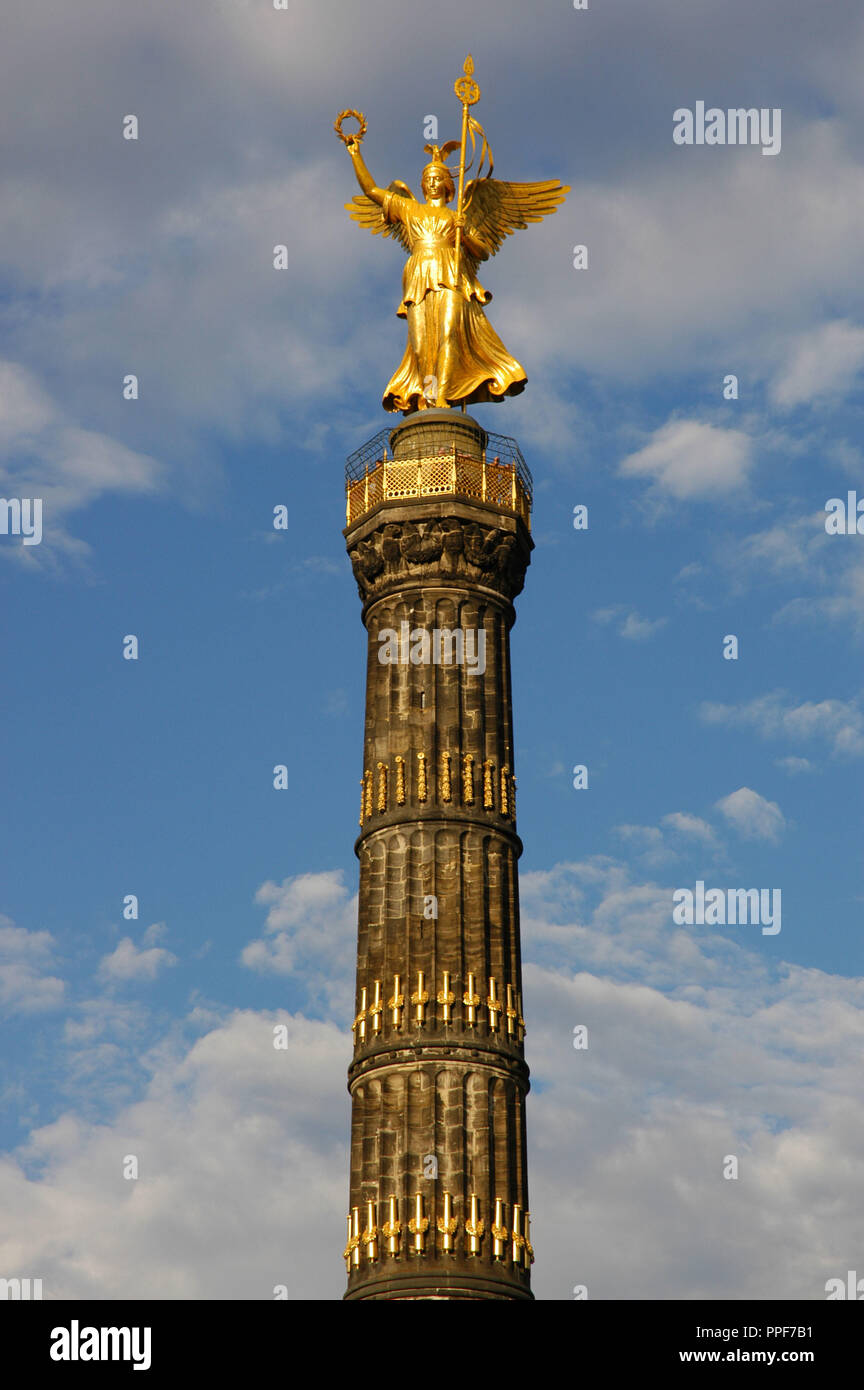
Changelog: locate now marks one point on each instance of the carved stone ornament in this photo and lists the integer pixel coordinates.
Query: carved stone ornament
(444, 548)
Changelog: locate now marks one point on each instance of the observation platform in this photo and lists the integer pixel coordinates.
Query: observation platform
(438, 453)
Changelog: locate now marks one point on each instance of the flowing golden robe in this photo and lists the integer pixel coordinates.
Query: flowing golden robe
(452, 350)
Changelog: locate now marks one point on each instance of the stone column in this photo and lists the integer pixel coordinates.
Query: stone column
(438, 1081)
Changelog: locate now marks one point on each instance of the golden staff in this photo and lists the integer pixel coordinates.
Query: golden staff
(468, 93)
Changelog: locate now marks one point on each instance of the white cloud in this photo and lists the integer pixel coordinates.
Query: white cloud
(647, 841)
(45, 455)
(154, 933)
(698, 1048)
(25, 408)
(693, 826)
(667, 281)
(655, 846)
(640, 629)
(775, 715)
(822, 362)
(793, 550)
(106, 1054)
(26, 960)
(127, 962)
(631, 626)
(787, 548)
(752, 815)
(242, 1153)
(641, 1209)
(794, 766)
(689, 459)
(310, 934)
(845, 605)
(95, 1019)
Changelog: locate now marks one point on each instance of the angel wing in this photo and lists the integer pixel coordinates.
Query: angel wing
(369, 215)
(498, 209)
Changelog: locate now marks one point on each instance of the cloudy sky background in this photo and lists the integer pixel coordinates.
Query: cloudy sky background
(706, 517)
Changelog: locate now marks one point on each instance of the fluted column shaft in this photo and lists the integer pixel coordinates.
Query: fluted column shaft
(438, 1081)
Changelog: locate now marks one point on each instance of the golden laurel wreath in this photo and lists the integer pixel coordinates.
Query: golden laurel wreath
(358, 134)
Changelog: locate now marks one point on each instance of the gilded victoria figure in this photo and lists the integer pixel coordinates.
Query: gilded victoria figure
(453, 355)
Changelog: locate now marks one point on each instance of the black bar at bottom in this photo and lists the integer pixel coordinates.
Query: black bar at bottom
(59, 1339)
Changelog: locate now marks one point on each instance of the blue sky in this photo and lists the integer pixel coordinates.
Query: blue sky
(706, 517)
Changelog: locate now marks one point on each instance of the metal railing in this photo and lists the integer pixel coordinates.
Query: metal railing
(500, 476)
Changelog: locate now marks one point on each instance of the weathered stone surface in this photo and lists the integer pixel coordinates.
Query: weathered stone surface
(438, 827)
(493, 551)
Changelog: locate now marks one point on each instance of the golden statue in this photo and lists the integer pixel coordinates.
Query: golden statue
(453, 355)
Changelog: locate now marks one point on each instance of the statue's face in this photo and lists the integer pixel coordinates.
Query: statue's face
(437, 185)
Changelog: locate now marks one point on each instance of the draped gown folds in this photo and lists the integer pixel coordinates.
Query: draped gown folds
(450, 340)
(453, 353)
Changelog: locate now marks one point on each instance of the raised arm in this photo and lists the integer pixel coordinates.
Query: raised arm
(364, 178)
